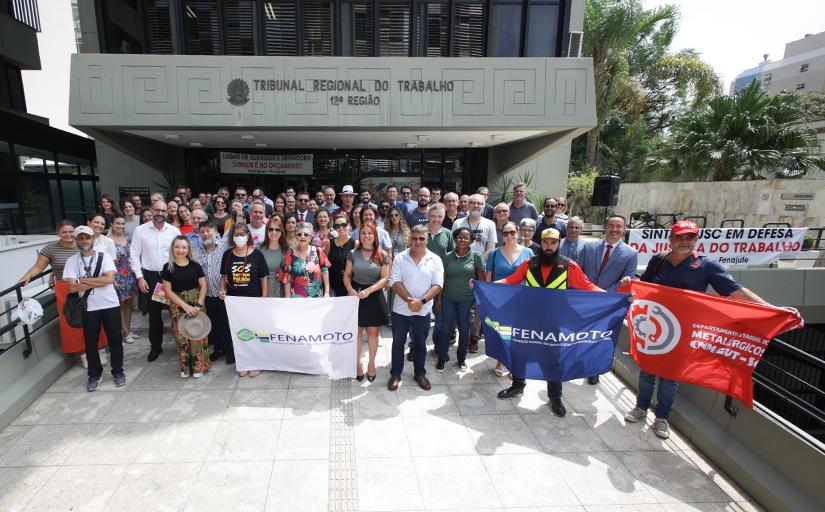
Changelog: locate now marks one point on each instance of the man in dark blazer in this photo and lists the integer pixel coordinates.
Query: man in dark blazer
(607, 261)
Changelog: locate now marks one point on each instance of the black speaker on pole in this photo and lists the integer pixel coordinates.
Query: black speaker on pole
(606, 191)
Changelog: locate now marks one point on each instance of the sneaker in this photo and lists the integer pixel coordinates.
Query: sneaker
(557, 407)
(83, 361)
(635, 415)
(439, 366)
(661, 428)
(410, 355)
(462, 366)
(93, 384)
(120, 380)
(197, 375)
(129, 338)
(134, 336)
(510, 392)
(184, 375)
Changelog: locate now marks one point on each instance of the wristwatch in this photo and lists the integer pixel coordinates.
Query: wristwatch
(424, 301)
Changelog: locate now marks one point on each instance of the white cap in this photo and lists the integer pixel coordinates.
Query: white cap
(84, 230)
(347, 190)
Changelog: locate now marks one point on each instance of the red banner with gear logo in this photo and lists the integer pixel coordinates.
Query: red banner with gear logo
(707, 340)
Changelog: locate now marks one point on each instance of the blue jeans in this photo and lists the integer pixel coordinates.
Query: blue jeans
(453, 312)
(664, 398)
(418, 328)
(437, 335)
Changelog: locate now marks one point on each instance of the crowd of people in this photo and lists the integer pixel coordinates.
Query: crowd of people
(410, 262)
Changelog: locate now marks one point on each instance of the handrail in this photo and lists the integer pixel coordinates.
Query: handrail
(17, 289)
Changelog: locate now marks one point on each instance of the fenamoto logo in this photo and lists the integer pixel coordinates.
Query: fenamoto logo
(333, 337)
(505, 331)
(656, 328)
(526, 335)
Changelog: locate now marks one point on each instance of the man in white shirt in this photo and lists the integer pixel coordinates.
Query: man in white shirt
(257, 221)
(150, 247)
(94, 272)
(416, 278)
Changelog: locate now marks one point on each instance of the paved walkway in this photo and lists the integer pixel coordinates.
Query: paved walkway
(300, 443)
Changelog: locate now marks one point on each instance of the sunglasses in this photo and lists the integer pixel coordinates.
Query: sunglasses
(418, 238)
(508, 233)
(274, 229)
(303, 200)
(303, 234)
(339, 226)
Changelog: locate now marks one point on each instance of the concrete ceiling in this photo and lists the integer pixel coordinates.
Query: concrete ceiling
(338, 139)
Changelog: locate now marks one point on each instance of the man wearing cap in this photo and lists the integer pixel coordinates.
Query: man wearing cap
(547, 270)
(681, 267)
(347, 197)
(95, 271)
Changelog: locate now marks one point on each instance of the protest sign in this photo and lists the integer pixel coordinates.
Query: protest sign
(548, 334)
(316, 336)
(707, 340)
(728, 246)
(243, 163)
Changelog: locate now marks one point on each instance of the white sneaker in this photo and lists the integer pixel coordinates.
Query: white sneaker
(129, 338)
(83, 362)
(104, 358)
(197, 375)
(134, 336)
(661, 428)
(635, 415)
(184, 375)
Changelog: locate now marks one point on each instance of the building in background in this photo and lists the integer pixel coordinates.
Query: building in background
(745, 78)
(46, 174)
(455, 93)
(802, 68)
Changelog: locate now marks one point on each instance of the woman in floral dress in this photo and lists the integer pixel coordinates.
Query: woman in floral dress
(305, 269)
(125, 282)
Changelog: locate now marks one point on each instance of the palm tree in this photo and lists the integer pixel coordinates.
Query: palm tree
(750, 135)
(633, 68)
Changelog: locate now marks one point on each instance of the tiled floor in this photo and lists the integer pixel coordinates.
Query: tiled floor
(224, 443)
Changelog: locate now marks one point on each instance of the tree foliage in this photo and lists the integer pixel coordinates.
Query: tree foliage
(750, 135)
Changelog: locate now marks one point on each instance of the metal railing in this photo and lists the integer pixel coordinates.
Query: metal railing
(48, 314)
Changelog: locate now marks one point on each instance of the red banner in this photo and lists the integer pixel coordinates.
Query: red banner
(707, 340)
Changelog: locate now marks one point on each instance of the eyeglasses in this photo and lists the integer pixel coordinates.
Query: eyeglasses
(303, 234)
(418, 238)
(274, 229)
(406, 193)
(339, 226)
(562, 205)
(303, 200)
(508, 233)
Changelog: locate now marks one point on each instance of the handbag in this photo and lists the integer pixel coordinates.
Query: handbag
(74, 309)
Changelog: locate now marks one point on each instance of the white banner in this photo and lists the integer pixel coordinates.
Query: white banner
(316, 336)
(243, 163)
(728, 246)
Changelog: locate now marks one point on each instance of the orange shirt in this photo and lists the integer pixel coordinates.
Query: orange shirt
(576, 279)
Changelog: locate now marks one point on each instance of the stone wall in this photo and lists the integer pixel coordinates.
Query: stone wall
(800, 202)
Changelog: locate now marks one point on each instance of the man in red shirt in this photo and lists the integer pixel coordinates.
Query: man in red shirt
(549, 269)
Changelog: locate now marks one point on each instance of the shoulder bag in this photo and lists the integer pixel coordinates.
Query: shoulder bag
(74, 309)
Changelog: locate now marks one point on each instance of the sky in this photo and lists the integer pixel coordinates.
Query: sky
(732, 35)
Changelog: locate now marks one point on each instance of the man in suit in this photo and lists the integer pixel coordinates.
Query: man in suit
(608, 261)
(301, 212)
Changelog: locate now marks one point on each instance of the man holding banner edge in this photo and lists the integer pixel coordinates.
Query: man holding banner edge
(547, 270)
(681, 268)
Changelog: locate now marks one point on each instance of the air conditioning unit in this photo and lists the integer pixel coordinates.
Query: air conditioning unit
(574, 44)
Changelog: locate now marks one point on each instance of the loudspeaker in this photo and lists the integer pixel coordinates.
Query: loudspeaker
(606, 191)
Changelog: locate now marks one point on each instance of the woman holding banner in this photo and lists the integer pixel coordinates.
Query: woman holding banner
(367, 272)
(244, 272)
(304, 271)
(339, 247)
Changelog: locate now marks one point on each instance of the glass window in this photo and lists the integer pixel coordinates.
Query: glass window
(239, 21)
(122, 26)
(201, 27)
(318, 29)
(431, 29)
(31, 160)
(10, 221)
(280, 28)
(432, 167)
(469, 20)
(357, 29)
(394, 30)
(71, 194)
(158, 26)
(505, 30)
(36, 206)
(542, 30)
(803, 68)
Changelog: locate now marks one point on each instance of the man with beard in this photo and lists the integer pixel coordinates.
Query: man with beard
(547, 270)
(94, 272)
(419, 215)
(347, 198)
(149, 252)
(549, 220)
(210, 254)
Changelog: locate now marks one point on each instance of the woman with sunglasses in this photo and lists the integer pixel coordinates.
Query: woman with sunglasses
(273, 248)
(503, 261)
(366, 273)
(323, 233)
(502, 214)
(221, 214)
(395, 224)
(304, 271)
(339, 247)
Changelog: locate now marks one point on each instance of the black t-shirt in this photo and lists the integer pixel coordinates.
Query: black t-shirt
(244, 273)
(183, 278)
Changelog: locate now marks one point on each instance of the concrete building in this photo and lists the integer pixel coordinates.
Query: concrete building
(745, 78)
(801, 69)
(454, 93)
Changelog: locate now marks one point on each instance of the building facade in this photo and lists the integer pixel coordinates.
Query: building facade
(46, 174)
(456, 93)
(802, 68)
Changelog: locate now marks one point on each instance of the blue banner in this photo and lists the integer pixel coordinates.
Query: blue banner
(546, 334)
